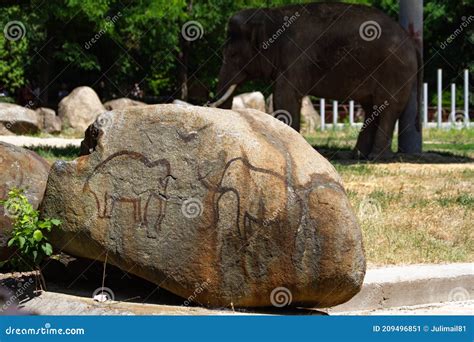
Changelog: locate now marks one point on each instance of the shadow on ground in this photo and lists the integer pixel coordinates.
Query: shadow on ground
(345, 156)
(81, 277)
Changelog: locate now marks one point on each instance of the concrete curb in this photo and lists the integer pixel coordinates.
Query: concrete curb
(27, 141)
(412, 285)
(446, 289)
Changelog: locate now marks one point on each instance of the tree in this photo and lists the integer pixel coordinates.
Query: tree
(85, 42)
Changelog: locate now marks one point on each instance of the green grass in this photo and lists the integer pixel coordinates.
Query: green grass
(417, 211)
(454, 142)
(463, 199)
(54, 153)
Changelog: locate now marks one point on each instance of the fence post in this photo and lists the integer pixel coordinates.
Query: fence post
(351, 113)
(466, 97)
(425, 104)
(322, 111)
(440, 96)
(453, 102)
(334, 114)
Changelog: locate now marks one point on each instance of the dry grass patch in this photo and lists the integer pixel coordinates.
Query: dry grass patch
(413, 213)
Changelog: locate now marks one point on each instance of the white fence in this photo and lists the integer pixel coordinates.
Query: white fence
(456, 118)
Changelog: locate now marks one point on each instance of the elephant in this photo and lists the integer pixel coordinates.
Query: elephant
(330, 50)
(111, 183)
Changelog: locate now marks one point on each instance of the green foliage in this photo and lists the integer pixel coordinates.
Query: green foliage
(54, 153)
(13, 54)
(28, 231)
(7, 99)
(140, 41)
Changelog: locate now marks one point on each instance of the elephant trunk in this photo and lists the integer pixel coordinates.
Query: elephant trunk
(230, 76)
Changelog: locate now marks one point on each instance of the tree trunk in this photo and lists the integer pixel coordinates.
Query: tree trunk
(184, 59)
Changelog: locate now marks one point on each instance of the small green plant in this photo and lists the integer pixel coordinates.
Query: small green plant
(28, 231)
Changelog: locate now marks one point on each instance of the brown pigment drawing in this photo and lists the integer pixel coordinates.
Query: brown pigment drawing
(246, 216)
(148, 182)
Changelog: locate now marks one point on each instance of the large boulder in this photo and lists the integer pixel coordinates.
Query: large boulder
(20, 168)
(221, 207)
(48, 120)
(253, 100)
(122, 103)
(80, 108)
(18, 119)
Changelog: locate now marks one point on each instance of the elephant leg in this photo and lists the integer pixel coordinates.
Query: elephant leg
(288, 101)
(137, 210)
(382, 147)
(108, 205)
(366, 137)
(151, 231)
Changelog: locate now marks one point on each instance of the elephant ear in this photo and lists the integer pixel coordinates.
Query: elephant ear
(258, 30)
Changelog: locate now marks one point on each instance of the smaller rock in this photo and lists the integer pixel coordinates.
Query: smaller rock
(4, 130)
(311, 118)
(18, 119)
(122, 103)
(23, 169)
(48, 120)
(269, 104)
(253, 100)
(182, 103)
(80, 108)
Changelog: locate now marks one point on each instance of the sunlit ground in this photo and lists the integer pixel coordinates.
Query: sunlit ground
(412, 212)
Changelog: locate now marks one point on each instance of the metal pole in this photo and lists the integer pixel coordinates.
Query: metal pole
(322, 110)
(453, 102)
(409, 132)
(351, 113)
(466, 97)
(334, 114)
(425, 104)
(440, 96)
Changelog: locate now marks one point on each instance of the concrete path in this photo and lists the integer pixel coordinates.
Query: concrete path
(450, 308)
(410, 285)
(50, 303)
(400, 290)
(27, 141)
